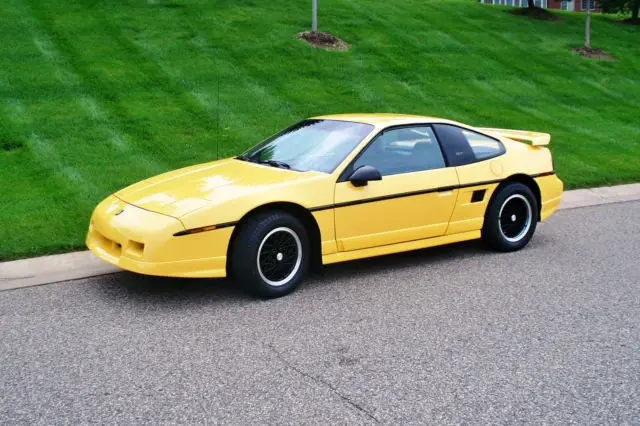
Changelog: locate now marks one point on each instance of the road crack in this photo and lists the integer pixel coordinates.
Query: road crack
(320, 382)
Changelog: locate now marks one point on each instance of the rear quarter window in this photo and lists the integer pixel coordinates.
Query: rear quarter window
(462, 146)
(483, 147)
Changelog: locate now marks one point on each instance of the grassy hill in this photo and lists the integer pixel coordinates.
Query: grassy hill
(97, 95)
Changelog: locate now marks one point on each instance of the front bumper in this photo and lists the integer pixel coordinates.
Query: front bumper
(142, 241)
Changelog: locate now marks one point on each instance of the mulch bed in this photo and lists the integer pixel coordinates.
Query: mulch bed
(535, 13)
(593, 53)
(631, 21)
(323, 40)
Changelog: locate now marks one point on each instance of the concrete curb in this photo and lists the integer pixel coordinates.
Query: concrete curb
(51, 269)
(70, 266)
(602, 195)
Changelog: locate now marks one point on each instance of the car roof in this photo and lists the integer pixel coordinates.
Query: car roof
(384, 120)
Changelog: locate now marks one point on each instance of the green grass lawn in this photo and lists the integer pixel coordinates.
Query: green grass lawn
(98, 95)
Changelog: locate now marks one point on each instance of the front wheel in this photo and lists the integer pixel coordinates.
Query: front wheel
(511, 218)
(270, 255)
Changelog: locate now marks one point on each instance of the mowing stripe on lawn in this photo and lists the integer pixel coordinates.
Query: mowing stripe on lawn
(122, 90)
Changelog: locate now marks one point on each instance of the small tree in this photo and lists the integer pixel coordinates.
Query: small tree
(587, 26)
(314, 16)
(622, 6)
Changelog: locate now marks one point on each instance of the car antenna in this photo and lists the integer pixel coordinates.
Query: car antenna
(218, 120)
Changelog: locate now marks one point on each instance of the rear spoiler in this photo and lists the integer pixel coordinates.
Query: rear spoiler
(535, 138)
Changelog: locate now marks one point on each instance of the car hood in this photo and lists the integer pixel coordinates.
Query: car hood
(184, 191)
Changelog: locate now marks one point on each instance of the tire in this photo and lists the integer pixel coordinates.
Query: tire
(270, 255)
(511, 219)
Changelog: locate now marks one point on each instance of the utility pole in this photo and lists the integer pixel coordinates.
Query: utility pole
(314, 17)
(587, 27)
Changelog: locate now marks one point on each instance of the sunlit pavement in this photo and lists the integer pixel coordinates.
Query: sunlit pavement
(453, 334)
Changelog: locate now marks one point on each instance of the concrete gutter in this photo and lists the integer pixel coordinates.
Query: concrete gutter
(70, 266)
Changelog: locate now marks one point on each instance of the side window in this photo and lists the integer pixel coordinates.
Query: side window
(462, 146)
(404, 150)
(483, 147)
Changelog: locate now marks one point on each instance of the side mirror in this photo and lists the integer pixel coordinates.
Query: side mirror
(363, 174)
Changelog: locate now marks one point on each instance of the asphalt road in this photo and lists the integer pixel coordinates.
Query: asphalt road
(457, 334)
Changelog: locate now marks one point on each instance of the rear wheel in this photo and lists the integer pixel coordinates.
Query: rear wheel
(270, 255)
(511, 219)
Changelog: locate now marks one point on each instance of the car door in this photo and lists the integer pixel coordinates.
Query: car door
(413, 200)
(477, 160)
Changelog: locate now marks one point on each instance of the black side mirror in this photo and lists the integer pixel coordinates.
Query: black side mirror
(363, 174)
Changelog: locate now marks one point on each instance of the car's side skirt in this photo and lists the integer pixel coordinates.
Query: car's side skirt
(400, 247)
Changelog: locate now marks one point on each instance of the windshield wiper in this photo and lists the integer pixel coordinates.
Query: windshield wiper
(275, 163)
(272, 163)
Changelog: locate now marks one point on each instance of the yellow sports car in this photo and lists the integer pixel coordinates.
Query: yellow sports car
(331, 189)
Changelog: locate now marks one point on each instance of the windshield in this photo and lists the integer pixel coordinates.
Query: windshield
(318, 145)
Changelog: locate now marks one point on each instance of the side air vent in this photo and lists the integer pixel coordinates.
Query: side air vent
(478, 195)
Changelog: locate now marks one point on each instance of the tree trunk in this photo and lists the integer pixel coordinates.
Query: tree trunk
(314, 17)
(587, 27)
(634, 10)
(531, 3)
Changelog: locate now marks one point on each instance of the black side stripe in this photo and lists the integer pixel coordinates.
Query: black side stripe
(400, 195)
(414, 193)
(218, 226)
(387, 197)
(447, 188)
(320, 208)
(488, 182)
(226, 224)
(551, 173)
